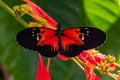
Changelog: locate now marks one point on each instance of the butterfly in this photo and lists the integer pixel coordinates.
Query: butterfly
(68, 42)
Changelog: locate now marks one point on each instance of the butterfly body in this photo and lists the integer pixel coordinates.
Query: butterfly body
(69, 42)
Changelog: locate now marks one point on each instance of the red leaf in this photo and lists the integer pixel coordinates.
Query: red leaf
(42, 72)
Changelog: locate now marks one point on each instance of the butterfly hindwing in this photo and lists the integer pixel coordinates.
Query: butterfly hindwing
(75, 40)
(42, 40)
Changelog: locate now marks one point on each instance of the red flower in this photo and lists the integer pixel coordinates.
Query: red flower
(62, 57)
(99, 57)
(42, 72)
(90, 75)
(37, 13)
(89, 62)
(112, 67)
(84, 56)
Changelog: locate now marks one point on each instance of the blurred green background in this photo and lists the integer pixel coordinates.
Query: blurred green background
(20, 64)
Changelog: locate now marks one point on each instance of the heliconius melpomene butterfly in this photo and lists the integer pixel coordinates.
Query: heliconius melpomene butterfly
(69, 42)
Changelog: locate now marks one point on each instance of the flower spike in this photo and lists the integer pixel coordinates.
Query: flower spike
(42, 14)
(42, 71)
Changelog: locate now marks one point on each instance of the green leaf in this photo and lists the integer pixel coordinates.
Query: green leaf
(102, 14)
(18, 62)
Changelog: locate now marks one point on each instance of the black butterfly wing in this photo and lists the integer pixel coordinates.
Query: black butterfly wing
(93, 37)
(75, 40)
(42, 40)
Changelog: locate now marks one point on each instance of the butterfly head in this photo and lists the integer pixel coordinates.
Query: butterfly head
(59, 27)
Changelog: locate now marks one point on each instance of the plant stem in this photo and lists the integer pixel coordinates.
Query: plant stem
(117, 65)
(78, 60)
(78, 64)
(110, 74)
(17, 17)
(48, 63)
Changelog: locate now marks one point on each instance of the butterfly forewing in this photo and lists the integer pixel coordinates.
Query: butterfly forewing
(79, 39)
(92, 37)
(42, 40)
(27, 38)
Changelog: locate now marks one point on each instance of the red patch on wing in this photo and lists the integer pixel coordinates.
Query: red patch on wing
(66, 42)
(48, 37)
(73, 34)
